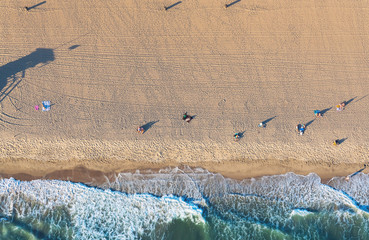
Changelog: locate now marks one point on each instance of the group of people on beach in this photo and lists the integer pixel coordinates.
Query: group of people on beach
(300, 128)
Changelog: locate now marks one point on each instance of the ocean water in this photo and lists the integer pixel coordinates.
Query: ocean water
(186, 203)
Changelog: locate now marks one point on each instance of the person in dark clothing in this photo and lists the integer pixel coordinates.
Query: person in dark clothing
(187, 117)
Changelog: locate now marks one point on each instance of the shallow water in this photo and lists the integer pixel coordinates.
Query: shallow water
(186, 204)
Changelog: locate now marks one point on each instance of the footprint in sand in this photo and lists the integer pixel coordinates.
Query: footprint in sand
(221, 103)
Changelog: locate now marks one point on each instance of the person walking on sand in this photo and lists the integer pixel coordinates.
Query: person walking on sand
(317, 113)
(140, 130)
(236, 136)
(341, 106)
(300, 128)
(187, 117)
(355, 173)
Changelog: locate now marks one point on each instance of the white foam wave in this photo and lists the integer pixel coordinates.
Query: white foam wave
(297, 190)
(357, 187)
(300, 212)
(95, 213)
(270, 201)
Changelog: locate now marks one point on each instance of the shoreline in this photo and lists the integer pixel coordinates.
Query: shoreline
(84, 160)
(232, 169)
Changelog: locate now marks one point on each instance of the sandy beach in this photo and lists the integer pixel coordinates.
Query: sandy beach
(108, 67)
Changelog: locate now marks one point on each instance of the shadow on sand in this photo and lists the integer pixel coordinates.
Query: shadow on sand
(36, 5)
(308, 123)
(357, 172)
(230, 4)
(361, 98)
(241, 134)
(8, 78)
(268, 120)
(349, 101)
(325, 110)
(73, 47)
(340, 141)
(148, 125)
(173, 5)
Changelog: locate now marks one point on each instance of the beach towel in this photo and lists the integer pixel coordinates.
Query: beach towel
(46, 106)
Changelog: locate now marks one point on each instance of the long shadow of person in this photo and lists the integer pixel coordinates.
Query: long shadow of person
(340, 141)
(308, 123)
(349, 101)
(36, 5)
(232, 3)
(357, 172)
(9, 70)
(148, 125)
(325, 110)
(173, 5)
(264, 123)
(237, 136)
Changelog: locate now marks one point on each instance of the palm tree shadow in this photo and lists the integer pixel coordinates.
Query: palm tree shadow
(325, 110)
(9, 70)
(308, 123)
(268, 120)
(148, 125)
(340, 141)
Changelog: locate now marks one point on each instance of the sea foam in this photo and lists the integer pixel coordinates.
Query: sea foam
(144, 204)
(94, 213)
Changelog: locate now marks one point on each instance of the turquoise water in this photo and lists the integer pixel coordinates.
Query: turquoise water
(186, 204)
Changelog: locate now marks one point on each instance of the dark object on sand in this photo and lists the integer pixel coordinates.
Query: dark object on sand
(187, 117)
(317, 113)
(140, 130)
(236, 136)
(300, 128)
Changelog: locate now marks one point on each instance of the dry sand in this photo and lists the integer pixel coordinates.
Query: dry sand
(108, 66)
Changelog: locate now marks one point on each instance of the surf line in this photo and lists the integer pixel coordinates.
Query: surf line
(355, 173)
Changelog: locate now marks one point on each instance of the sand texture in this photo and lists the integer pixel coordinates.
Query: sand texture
(110, 66)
